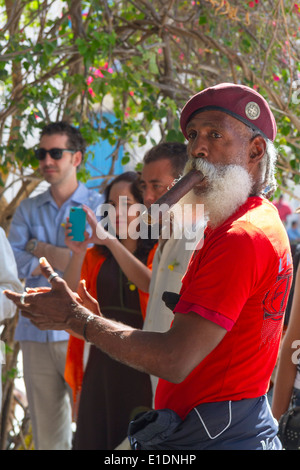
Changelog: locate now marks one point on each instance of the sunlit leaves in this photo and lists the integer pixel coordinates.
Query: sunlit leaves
(144, 59)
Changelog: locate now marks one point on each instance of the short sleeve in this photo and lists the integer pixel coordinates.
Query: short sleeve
(223, 274)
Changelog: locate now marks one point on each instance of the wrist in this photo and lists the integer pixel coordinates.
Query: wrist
(103, 237)
(78, 255)
(110, 241)
(85, 326)
(78, 322)
(31, 245)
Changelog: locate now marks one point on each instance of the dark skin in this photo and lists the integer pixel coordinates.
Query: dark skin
(61, 309)
(171, 355)
(221, 139)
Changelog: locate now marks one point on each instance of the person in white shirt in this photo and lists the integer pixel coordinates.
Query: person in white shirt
(162, 165)
(8, 280)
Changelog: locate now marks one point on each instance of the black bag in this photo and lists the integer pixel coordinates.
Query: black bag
(289, 429)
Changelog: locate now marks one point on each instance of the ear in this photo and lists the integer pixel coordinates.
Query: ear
(257, 150)
(77, 158)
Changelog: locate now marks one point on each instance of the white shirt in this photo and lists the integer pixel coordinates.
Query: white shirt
(8, 280)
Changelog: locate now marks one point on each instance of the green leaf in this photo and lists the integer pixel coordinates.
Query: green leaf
(202, 20)
(139, 166)
(125, 159)
(174, 136)
(142, 140)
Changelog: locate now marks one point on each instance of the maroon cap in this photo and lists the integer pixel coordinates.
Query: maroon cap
(238, 101)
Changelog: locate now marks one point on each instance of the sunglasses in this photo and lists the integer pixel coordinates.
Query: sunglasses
(56, 154)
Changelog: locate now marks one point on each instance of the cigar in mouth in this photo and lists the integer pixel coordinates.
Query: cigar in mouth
(156, 211)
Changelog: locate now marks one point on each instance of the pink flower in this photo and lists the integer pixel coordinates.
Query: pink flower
(251, 4)
(89, 80)
(276, 78)
(98, 73)
(91, 92)
(131, 93)
(159, 51)
(181, 57)
(105, 67)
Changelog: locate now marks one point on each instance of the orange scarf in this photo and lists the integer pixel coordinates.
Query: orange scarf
(92, 263)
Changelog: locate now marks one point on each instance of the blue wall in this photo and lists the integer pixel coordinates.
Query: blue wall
(101, 162)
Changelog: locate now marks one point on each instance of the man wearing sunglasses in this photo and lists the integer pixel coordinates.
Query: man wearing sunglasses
(36, 231)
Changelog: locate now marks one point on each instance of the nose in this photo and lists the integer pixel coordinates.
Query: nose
(47, 160)
(198, 147)
(149, 196)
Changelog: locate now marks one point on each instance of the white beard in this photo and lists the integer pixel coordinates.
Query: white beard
(227, 188)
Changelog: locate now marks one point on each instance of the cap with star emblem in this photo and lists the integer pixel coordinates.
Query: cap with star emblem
(239, 101)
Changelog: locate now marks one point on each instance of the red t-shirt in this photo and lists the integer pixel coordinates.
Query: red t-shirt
(239, 279)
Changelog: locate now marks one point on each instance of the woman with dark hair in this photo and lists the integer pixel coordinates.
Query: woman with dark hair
(110, 392)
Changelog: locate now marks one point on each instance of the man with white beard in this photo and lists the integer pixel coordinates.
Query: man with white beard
(216, 360)
(219, 198)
